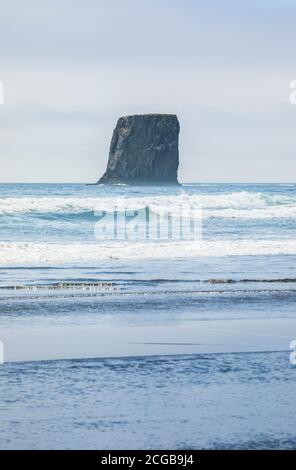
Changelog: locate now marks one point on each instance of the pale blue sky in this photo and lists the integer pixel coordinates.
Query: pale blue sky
(71, 67)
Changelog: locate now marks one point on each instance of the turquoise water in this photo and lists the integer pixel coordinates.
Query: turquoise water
(48, 213)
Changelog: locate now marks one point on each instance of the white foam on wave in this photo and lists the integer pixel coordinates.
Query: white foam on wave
(20, 253)
(238, 201)
(271, 212)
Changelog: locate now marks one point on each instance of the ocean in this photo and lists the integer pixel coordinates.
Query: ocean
(149, 343)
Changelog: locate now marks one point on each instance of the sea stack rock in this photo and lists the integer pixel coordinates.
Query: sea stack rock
(144, 150)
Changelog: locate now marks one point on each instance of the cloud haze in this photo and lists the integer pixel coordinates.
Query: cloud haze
(71, 68)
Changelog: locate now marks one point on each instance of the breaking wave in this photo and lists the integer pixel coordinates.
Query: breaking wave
(240, 204)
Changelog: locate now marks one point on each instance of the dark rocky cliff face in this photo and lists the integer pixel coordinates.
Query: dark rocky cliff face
(144, 150)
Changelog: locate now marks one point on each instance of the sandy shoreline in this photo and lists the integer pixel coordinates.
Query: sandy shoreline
(189, 337)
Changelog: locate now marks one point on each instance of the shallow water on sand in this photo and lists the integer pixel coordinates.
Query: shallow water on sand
(201, 401)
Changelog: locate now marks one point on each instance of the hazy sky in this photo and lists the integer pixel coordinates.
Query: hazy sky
(71, 67)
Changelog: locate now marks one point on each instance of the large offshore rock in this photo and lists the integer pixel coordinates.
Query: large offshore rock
(144, 150)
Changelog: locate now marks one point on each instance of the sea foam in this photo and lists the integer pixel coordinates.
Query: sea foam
(19, 253)
(240, 204)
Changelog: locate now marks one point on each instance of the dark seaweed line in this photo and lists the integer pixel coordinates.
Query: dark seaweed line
(148, 293)
(109, 284)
